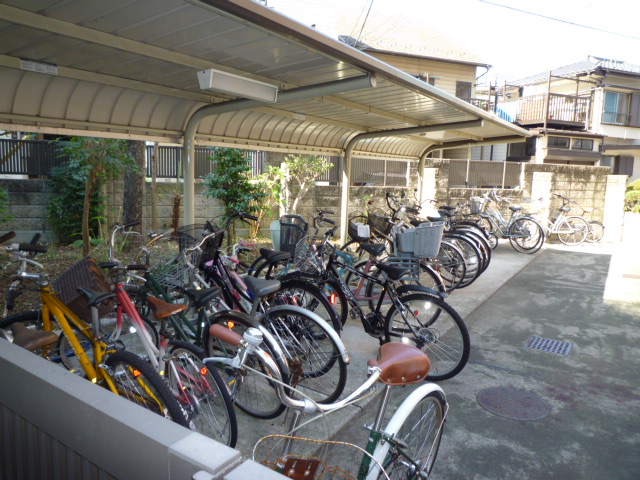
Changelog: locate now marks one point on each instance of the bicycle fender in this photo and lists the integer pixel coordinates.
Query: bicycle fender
(274, 345)
(408, 288)
(397, 420)
(323, 324)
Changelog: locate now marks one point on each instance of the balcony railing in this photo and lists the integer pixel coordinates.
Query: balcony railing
(562, 108)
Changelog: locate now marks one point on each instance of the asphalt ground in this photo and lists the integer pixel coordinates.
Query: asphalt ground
(585, 405)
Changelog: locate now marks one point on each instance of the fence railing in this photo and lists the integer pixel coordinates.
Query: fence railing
(474, 173)
(564, 108)
(36, 158)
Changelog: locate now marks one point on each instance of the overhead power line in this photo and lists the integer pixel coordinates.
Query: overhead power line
(560, 20)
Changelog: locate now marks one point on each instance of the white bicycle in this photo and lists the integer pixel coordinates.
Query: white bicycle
(406, 448)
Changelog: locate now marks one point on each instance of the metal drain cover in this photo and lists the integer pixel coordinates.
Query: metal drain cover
(558, 347)
(513, 403)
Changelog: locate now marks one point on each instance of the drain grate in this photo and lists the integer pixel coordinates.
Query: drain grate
(513, 403)
(558, 347)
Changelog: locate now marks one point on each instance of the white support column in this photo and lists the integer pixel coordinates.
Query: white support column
(541, 192)
(613, 215)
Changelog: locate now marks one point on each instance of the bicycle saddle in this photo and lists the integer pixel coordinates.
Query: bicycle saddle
(373, 249)
(394, 273)
(31, 339)
(272, 256)
(261, 287)
(401, 364)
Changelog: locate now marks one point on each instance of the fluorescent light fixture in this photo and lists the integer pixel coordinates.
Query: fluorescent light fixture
(218, 81)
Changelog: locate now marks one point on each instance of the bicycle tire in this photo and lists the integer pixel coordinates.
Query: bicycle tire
(472, 258)
(440, 333)
(573, 230)
(202, 393)
(596, 231)
(526, 235)
(32, 319)
(252, 393)
(416, 428)
(314, 358)
(297, 291)
(450, 264)
(137, 381)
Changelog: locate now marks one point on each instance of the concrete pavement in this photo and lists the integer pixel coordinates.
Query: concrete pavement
(588, 296)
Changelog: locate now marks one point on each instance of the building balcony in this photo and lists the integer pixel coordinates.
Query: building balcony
(562, 110)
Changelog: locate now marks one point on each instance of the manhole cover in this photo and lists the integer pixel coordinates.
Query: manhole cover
(513, 403)
(558, 347)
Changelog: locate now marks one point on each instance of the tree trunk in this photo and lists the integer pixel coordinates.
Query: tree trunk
(134, 185)
(86, 212)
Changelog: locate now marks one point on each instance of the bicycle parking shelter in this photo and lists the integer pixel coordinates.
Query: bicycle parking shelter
(130, 70)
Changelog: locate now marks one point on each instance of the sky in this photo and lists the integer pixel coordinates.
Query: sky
(519, 38)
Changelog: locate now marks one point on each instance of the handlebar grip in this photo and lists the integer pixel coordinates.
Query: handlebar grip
(108, 265)
(7, 236)
(35, 239)
(250, 217)
(27, 247)
(134, 268)
(131, 224)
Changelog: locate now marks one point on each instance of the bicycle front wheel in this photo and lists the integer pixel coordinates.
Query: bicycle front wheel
(202, 393)
(137, 381)
(314, 356)
(416, 432)
(254, 393)
(573, 231)
(433, 326)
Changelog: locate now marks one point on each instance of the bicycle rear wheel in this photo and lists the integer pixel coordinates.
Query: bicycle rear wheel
(526, 235)
(137, 381)
(596, 231)
(433, 326)
(416, 429)
(202, 393)
(313, 354)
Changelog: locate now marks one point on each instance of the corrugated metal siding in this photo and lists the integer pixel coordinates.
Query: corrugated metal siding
(28, 453)
(484, 174)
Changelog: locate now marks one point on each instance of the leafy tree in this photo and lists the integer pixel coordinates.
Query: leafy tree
(67, 202)
(4, 206)
(303, 171)
(96, 159)
(232, 183)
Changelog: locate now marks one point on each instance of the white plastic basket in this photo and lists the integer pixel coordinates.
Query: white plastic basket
(477, 204)
(422, 241)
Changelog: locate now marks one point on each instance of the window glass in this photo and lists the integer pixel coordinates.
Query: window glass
(463, 89)
(558, 142)
(582, 144)
(615, 108)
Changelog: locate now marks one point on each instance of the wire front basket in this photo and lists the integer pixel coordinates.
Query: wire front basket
(178, 273)
(313, 459)
(477, 204)
(308, 254)
(379, 221)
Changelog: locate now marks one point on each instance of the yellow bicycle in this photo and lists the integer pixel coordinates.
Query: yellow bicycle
(81, 346)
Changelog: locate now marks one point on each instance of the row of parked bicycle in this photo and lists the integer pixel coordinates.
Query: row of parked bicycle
(191, 330)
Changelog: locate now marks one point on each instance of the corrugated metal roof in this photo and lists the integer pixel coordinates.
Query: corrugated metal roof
(127, 68)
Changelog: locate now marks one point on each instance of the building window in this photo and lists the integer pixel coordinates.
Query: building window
(582, 144)
(463, 89)
(558, 142)
(616, 108)
(430, 79)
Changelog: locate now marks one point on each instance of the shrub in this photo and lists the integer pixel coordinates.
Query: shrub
(4, 206)
(632, 201)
